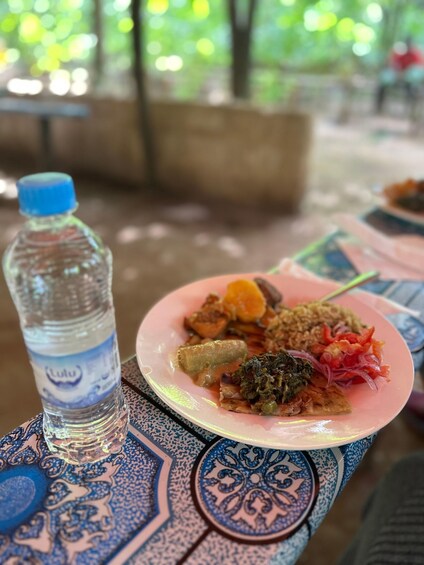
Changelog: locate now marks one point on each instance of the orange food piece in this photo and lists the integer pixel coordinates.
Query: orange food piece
(247, 300)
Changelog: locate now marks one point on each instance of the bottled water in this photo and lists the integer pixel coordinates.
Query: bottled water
(59, 274)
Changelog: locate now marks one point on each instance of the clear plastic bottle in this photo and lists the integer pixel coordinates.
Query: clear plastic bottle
(59, 274)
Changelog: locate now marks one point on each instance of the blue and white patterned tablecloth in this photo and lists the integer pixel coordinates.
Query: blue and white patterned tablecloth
(176, 493)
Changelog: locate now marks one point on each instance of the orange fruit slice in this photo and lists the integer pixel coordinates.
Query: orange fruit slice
(247, 300)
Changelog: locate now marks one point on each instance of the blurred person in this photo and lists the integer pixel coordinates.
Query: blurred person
(392, 529)
(406, 69)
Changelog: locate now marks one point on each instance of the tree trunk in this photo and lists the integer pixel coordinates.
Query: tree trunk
(143, 108)
(390, 26)
(241, 19)
(98, 31)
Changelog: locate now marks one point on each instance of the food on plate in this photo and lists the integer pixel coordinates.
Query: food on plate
(301, 327)
(280, 385)
(245, 298)
(274, 360)
(211, 320)
(244, 302)
(200, 360)
(408, 194)
(351, 357)
(272, 378)
(271, 294)
(229, 317)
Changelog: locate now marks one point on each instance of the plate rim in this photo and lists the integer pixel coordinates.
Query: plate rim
(210, 427)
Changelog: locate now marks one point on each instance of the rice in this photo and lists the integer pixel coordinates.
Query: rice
(300, 327)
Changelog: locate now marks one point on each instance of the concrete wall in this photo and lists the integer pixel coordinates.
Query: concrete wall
(231, 153)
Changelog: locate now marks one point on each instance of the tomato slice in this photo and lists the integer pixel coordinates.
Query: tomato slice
(349, 354)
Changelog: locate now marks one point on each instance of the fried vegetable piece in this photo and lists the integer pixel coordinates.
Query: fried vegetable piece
(272, 295)
(196, 358)
(247, 300)
(211, 320)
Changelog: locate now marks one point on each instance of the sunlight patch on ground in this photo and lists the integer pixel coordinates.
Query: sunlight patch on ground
(358, 192)
(231, 246)
(157, 231)
(186, 213)
(7, 187)
(322, 200)
(304, 226)
(129, 234)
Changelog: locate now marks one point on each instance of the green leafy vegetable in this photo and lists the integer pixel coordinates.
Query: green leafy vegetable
(270, 379)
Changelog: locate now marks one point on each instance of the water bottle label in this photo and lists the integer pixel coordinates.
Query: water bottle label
(78, 380)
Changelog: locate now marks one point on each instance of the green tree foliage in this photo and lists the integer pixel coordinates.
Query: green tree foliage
(42, 36)
(189, 39)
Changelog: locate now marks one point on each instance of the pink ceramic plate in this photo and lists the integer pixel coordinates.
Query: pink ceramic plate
(161, 332)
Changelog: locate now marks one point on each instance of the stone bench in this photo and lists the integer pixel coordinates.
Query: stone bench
(230, 153)
(45, 111)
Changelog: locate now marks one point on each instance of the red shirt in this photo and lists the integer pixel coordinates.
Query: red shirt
(401, 61)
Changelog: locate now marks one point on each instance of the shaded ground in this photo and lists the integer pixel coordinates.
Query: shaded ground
(160, 243)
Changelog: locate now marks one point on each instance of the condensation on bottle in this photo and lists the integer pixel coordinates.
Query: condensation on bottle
(59, 274)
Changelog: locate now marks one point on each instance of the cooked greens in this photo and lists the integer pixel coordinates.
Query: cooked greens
(270, 379)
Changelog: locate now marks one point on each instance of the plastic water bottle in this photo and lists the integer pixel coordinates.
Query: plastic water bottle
(59, 274)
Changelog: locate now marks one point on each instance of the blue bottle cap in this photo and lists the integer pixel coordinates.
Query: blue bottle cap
(46, 194)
